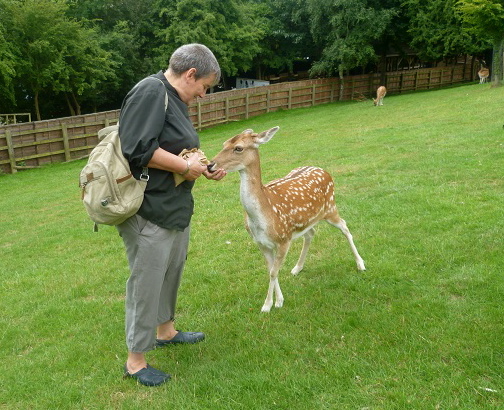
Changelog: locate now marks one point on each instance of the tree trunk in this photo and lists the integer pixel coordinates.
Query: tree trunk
(36, 104)
(382, 68)
(69, 104)
(76, 104)
(474, 69)
(224, 82)
(342, 85)
(497, 62)
(259, 72)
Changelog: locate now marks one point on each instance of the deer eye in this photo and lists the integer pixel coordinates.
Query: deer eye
(238, 149)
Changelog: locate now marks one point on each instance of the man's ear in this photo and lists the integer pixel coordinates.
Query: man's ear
(191, 73)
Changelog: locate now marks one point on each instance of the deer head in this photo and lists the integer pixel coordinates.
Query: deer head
(241, 150)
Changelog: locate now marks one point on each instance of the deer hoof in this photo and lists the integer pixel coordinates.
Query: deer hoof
(265, 309)
(296, 270)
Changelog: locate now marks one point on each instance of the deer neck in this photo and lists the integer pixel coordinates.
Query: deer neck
(252, 195)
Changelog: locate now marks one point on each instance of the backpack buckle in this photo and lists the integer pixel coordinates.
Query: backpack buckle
(144, 176)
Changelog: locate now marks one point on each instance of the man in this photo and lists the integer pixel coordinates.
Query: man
(157, 237)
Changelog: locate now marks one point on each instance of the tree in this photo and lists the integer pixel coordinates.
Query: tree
(437, 30)
(126, 30)
(219, 24)
(287, 38)
(56, 55)
(346, 30)
(7, 69)
(128, 67)
(486, 19)
(131, 19)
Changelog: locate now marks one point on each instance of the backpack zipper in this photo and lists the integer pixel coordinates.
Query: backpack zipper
(109, 183)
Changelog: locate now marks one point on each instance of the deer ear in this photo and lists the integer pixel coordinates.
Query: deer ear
(265, 136)
(248, 131)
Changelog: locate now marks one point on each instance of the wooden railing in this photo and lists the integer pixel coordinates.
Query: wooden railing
(6, 119)
(32, 144)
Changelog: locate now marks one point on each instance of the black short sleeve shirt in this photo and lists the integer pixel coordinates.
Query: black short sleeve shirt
(144, 126)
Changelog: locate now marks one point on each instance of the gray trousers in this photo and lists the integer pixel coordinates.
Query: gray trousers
(156, 259)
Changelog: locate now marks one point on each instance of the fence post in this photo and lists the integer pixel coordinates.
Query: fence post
(10, 150)
(246, 106)
(313, 94)
(226, 108)
(199, 115)
(268, 96)
(289, 102)
(66, 145)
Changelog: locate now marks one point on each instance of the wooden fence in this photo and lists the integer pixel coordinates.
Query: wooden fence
(15, 118)
(32, 144)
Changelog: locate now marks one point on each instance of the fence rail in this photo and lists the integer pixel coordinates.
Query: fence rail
(32, 144)
(14, 118)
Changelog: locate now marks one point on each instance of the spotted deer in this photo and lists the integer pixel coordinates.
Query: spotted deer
(282, 210)
(483, 74)
(380, 95)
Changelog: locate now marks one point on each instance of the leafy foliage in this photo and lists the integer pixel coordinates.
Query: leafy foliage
(288, 39)
(486, 19)
(61, 57)
(55, 52)
(485, 16)
(7, 68)
(222, 25)
(346, 31)
(437, 29)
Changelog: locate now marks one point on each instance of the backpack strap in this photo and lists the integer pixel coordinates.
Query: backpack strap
(166, 94)
(145, 171)
(161, 81)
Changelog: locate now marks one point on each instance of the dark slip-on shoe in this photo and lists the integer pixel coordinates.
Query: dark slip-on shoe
(148, 376)
(182, 337)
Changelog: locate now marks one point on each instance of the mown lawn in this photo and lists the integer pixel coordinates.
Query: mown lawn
(420, 184)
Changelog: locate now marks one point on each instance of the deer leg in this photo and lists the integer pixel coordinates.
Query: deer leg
(341, 224)
(274, 261)
(307, 238)
(269, 256)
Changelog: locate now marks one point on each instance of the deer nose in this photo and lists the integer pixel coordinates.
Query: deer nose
(210, 167)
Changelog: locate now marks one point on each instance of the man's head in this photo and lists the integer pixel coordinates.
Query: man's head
(195, 56)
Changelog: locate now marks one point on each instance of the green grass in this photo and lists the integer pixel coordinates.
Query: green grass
(420, 183)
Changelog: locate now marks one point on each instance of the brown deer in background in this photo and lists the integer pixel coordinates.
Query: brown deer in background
(282, 210)
(380, 95)
(483, 73)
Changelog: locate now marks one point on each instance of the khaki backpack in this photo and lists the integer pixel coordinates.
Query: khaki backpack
(110, 192)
